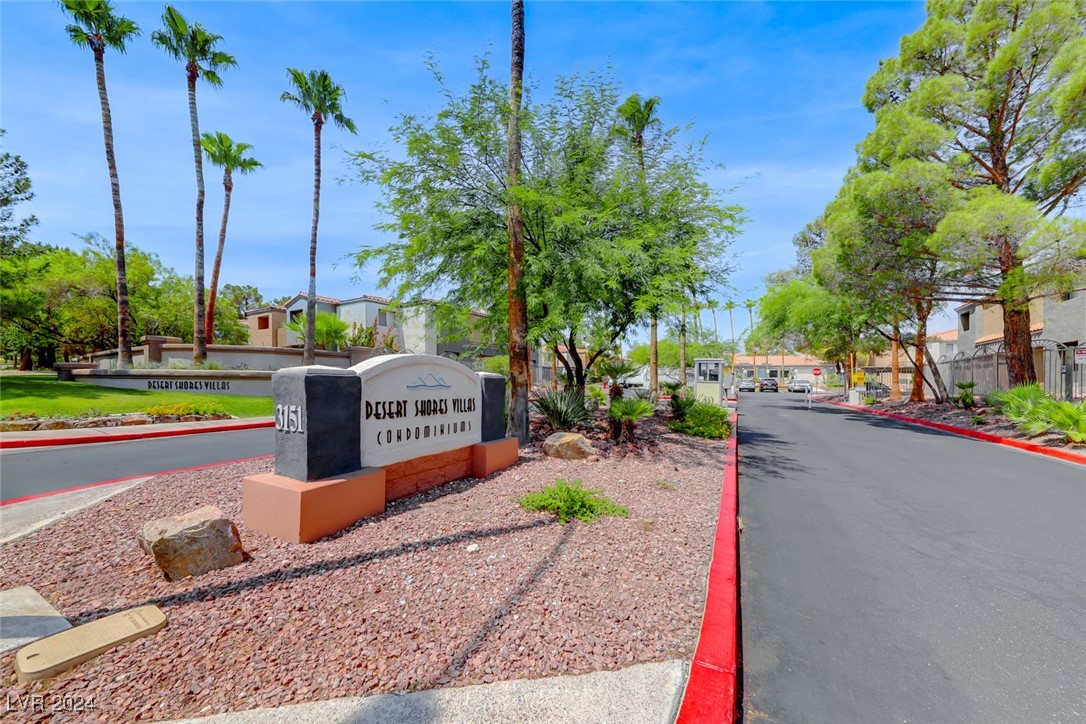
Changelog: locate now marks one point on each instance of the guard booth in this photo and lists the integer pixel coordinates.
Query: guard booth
(711, 379)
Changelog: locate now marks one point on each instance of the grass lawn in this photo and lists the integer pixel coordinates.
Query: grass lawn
(42, 395)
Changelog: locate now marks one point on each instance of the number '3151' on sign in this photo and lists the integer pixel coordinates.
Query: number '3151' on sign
(288, 418)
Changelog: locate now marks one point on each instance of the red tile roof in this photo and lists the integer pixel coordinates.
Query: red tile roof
(1034, 329)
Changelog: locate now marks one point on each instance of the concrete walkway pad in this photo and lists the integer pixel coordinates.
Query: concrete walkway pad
(62, 651)
(643, 693)
(26, 617)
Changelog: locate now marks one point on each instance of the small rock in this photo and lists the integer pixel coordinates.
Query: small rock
(55, 425)
(568, 446)
(473, 547)
(136, 420)
(18, 425)
(593, 458)
(193, 543)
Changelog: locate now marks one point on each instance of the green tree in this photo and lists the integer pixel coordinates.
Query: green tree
(519, 359)
(194, 46)
(318, 95)
(230, 157)
(14, 190)
(242, 297)
(97, 26)
(993, 92)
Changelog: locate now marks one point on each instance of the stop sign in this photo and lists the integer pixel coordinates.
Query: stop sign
(816, 372)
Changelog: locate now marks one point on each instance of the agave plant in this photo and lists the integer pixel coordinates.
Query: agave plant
(625, 415)
(562, 408)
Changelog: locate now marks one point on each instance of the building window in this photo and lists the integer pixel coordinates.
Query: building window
(965, 321)
(263, 321)
(384, 318)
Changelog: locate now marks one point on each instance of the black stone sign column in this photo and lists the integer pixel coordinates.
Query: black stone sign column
(317, 418)
(493, 406)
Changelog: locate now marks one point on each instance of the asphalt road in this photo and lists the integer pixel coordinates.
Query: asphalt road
(893, 573)
(30, 471)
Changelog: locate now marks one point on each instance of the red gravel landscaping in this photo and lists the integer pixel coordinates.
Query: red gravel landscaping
(395, 603)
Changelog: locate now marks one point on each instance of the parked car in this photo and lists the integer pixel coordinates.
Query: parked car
(878, 389)
(747, 384)
(799, 386)
(767, 384)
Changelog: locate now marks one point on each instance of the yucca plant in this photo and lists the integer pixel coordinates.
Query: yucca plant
(562, 408)
(625, 415)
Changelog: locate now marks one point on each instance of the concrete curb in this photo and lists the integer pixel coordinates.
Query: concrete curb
(1032, 447)
(24, 442)
(711, 690)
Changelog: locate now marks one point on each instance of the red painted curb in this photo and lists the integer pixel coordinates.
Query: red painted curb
(87, 486)
(710, 694)
(977, 434)
(121, 437)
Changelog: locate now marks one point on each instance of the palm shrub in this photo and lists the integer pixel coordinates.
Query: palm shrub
(595, 397)
(624, 416)
(672, 388)
(965, 399)
(616, 371)
(1021, 401)
(328, 330)
(704, 420)
(562, 408)
(682, 401)
(1068, 418)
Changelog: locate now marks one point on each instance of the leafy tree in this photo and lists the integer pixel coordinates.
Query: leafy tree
(519, 360)
(98, 27)
(14, 190)
(193, 45)
(329, 331)
(229, 156)
(242, 297)
(992, 91)
(318, 95)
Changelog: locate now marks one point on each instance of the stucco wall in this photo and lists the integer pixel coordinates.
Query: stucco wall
(1065, 321)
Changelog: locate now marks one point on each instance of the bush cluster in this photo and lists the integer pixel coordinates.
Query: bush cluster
(185, 408)
(704, 420)
(572, 501)
(1036, 413)
(562, 408)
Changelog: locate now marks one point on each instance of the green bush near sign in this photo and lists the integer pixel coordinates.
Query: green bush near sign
(42, 396)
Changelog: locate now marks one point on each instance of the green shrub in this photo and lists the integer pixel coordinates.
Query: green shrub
(498, 365)
(672, 388)
(186, 408)
(210, 364)
(964, 400)
(870, 399)
(979, 420)
(1065, 417)
(595, 397)
(647, 395)
(1020, 402)
(681, 403)
(624, 416)
(572, 501)
(704, 420)
(992, 400)
(1036, 413)
(562, 408)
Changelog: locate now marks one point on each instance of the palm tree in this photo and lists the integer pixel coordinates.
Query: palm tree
(519, 368)
(714, 305)
(750, 304)
(640, 115)
(229, 156)
(195, 47)
(97, 27)
(728, 306)
(320, 97)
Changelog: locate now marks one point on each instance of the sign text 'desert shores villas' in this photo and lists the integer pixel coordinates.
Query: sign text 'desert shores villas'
(415, 405)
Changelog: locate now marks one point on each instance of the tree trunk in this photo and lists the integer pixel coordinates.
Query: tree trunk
(917, 394)
(519, 369)
(654, 357)
(124, 340)
(895, 369)
(937, 377)
(1018, 343)
(199, 346)
(209, 324)
(308, 357)
(682, 348)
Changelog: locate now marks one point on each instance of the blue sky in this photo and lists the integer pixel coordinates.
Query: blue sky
(775, 85)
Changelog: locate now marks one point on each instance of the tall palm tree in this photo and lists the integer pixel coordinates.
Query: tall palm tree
(728, 307)
(193, 45)
(519, 368)
(714, 305)
(230, 157)
(639, 115)
(319, 96)
(98, 27)
(750, 304)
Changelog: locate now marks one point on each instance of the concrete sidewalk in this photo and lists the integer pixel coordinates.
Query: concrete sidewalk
(46, 438)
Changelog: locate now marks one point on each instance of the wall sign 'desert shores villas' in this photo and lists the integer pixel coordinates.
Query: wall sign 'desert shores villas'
(415, 405)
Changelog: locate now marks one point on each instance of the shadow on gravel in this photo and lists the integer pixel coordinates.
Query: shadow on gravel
(314, 569)
(503, 609)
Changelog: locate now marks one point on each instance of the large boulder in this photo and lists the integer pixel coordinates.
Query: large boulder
(568, 446)
(193, 543)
